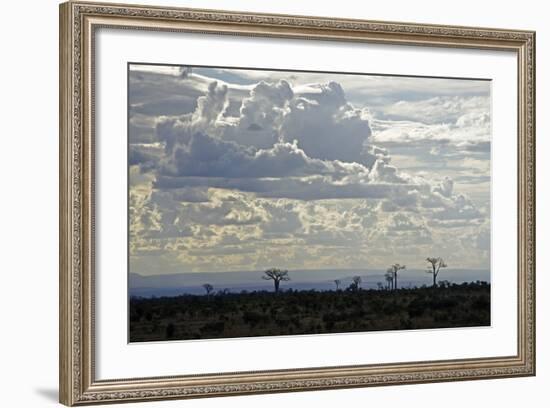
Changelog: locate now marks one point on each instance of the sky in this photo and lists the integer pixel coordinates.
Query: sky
(247, 169)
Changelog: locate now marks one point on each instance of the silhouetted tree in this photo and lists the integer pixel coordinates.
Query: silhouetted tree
(276, 275)
(337, 282)
(389, 278)
(379, 285)
(208, 288)
(394, 269)
(355, 283)
(434, 265)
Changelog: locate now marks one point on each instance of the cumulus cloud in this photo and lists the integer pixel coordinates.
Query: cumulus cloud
(260, 115)
(297, 175)
(382, 172)
(210, 106)
(177, 130)
(266, 105)
(194, 157)
(203, 144)
(205, 156)
(327, 126)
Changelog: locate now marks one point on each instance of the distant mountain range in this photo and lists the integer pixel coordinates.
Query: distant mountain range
(322, 279)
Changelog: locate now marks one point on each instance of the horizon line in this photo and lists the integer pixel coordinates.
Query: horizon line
(300, 270)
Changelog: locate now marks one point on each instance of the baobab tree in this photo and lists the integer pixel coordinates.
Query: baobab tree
(337, 282)
(208, 288)
(393, 270)
(389, 278)
(434, 265)
(276, 275)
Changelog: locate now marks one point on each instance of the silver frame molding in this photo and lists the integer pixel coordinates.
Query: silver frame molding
(78, 22)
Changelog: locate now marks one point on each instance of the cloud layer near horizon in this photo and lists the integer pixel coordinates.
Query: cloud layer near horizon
(234, 172)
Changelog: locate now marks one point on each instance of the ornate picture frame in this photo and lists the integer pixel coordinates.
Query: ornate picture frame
(79, 22)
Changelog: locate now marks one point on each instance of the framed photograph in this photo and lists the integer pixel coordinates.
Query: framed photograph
(256, 203)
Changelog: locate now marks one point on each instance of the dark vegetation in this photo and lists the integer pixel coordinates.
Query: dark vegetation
(222, 314)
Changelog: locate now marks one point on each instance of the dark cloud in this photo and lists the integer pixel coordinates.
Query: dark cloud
(206, 156)
(172, 106)
(158, 94)
(310, 188)
(139, 154)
